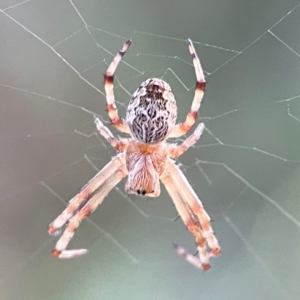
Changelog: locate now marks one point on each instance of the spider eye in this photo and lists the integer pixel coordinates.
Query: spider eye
(141, 192)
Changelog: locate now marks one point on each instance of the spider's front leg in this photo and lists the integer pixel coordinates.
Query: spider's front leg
(95, 182)
(190, 222)
(104, 181)
(190, 196)
(192, 200)
(194, 216)
(98, 180)
(189, 206)
(116, 175)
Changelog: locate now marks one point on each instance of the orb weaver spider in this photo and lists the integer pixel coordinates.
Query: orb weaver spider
(145, 158)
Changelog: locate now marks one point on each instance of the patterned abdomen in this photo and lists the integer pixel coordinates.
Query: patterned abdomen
(152, 111)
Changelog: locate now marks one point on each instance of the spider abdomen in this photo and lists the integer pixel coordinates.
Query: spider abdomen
(152, 111)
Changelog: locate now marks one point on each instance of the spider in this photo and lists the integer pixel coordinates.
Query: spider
(145, 158)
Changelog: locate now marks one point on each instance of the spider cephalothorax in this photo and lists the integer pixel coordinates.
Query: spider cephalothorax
(146, 158)
(152, 111)
(145, 163)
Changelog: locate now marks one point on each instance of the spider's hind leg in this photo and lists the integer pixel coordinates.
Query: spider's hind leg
(118, 122)
(183, 128)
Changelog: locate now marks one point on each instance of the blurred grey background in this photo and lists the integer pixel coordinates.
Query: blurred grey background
(245, 168)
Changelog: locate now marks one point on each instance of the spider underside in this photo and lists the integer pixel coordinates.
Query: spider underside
(145, 158)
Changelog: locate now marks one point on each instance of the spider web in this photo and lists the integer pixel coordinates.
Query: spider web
(245, 168)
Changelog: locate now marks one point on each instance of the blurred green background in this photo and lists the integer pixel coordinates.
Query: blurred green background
(245, 167)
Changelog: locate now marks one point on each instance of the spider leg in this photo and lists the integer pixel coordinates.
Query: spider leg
(175, 151)
(193, 259)
(120, 145)
(189, 195)
(100, 178)
(190, 221)
(183, 128)
(118, 122)
(190, 210)
(84, 212)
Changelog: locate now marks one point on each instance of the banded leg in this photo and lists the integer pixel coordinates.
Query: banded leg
(86, 191)
(118, 122)
(183, 128)
(190, 222)
(119, 145)
(84, 212)
(189, 195)
(175, 151)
